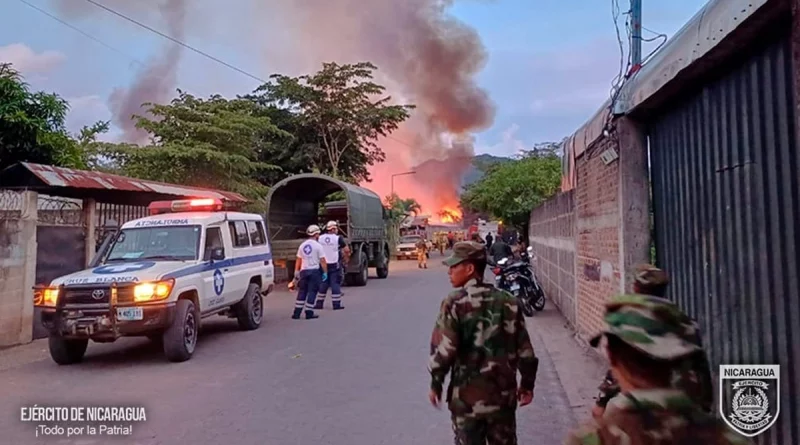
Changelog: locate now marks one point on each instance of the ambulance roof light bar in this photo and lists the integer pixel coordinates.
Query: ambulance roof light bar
(186, 205)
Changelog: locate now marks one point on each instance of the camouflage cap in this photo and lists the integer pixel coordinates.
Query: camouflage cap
(466, 250)
(651, 325)
(649, 275)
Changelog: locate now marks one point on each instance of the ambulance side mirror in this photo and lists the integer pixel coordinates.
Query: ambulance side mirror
(217, 254)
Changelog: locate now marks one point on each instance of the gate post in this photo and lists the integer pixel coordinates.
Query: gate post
(19, 275)
(90, 223)
(634, 199)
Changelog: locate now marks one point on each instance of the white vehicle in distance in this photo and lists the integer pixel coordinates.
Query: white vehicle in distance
(407, 247)
(158, 277)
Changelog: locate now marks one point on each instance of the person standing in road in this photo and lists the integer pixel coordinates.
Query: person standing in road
(422, 253)
(333, 245)
(693, 375)
(489, 240)
(646, 341)
(310, 271)
(480, 339)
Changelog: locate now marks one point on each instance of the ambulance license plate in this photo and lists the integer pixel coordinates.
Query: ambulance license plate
(130, 313)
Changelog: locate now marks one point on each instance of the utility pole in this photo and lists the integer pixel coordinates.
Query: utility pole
(400, 174)
(636, 34)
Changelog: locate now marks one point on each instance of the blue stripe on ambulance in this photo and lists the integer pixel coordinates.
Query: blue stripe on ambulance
(209, 266)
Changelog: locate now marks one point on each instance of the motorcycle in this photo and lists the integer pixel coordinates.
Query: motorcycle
(518, 278)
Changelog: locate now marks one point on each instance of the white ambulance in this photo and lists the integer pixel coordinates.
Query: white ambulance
(160, 275)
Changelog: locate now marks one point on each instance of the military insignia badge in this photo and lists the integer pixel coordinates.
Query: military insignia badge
(749, 397)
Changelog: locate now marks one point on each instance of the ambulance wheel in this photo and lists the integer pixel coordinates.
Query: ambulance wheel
(180, 339)
(67, 352)
(250, 311)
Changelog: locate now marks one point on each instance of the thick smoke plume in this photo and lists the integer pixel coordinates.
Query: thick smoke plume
(428, 58)
(424, 56)
(156, 81)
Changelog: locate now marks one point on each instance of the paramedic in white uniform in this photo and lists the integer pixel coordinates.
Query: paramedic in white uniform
(310, 271)
(333, 245)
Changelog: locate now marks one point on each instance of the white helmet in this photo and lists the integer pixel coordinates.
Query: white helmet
(312, 230)
(331, 225)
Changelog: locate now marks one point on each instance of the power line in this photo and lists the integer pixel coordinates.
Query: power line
(176, 41)
(172, 39)
(82, 32)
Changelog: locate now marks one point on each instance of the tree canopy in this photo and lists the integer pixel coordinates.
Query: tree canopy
(509, 190)
(214, 143)
(399, 208)
(340, 110)
(32, 127)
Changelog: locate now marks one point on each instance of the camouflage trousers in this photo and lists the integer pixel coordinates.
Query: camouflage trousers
(500, 429)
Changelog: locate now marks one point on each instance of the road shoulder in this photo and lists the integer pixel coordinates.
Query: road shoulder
(579, 368)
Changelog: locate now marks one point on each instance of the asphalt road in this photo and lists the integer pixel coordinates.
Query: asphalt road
(352, 377)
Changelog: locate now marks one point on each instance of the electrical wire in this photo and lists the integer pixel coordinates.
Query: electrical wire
(198, 51)
(155, 31)
(82, 32)
(174, 40)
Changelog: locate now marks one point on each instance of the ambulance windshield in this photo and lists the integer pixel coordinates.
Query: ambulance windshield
(156, 244)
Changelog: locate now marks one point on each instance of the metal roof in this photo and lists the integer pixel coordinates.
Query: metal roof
(715, 21)
(104, 187)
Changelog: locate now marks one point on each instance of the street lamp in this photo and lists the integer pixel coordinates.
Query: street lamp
(400, 174)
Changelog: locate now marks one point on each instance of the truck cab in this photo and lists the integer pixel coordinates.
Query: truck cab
(160, 275)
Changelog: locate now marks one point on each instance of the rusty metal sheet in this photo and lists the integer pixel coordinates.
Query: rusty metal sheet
(81, 179)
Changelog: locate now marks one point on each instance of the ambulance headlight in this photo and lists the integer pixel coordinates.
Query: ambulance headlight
(46, 297)
(159, 290)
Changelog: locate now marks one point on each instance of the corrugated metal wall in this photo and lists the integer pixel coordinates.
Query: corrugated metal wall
(725, 189)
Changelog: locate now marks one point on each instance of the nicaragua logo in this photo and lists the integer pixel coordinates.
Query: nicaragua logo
(749, 397)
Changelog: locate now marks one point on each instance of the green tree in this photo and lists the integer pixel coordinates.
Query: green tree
(214, 142)
(32, 125)
(301, 153)
(510, 190)
(341, 111)
(399, 208)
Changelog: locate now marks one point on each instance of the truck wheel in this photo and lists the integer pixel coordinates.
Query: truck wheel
(180, 338)
(250, 311)
(360, 278)
(383, 272)
(67, 352)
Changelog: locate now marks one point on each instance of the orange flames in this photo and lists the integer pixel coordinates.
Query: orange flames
(449, 215)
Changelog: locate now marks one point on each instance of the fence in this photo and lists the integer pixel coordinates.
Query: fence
(551, 235)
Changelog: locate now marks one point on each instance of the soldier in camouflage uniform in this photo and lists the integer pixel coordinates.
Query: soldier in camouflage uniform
(646, 340)
(692, 375)
(480, 339)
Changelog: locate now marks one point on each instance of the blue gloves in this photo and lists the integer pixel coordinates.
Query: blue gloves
(324, 276)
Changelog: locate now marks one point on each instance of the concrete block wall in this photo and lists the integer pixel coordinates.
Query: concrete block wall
(597, 207)
(18, 272)
(551, 233)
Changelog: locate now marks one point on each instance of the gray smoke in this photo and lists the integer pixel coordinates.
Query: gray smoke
(156, 81)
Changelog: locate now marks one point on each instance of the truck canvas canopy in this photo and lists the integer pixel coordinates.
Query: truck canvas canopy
(293, 204)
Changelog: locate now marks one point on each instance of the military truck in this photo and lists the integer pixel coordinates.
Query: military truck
(301, 200)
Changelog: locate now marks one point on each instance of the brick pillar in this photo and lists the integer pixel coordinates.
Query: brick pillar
(634, 199)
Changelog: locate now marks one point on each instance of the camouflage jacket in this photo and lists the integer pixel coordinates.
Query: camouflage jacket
(655, 417)
(692, 376)
(480, 338)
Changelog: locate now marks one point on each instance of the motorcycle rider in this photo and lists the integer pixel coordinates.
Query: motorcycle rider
(499, 250)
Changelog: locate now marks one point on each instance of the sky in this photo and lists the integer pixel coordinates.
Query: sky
(550, 62)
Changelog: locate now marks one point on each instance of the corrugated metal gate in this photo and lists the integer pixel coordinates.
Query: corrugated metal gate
(725, 191)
